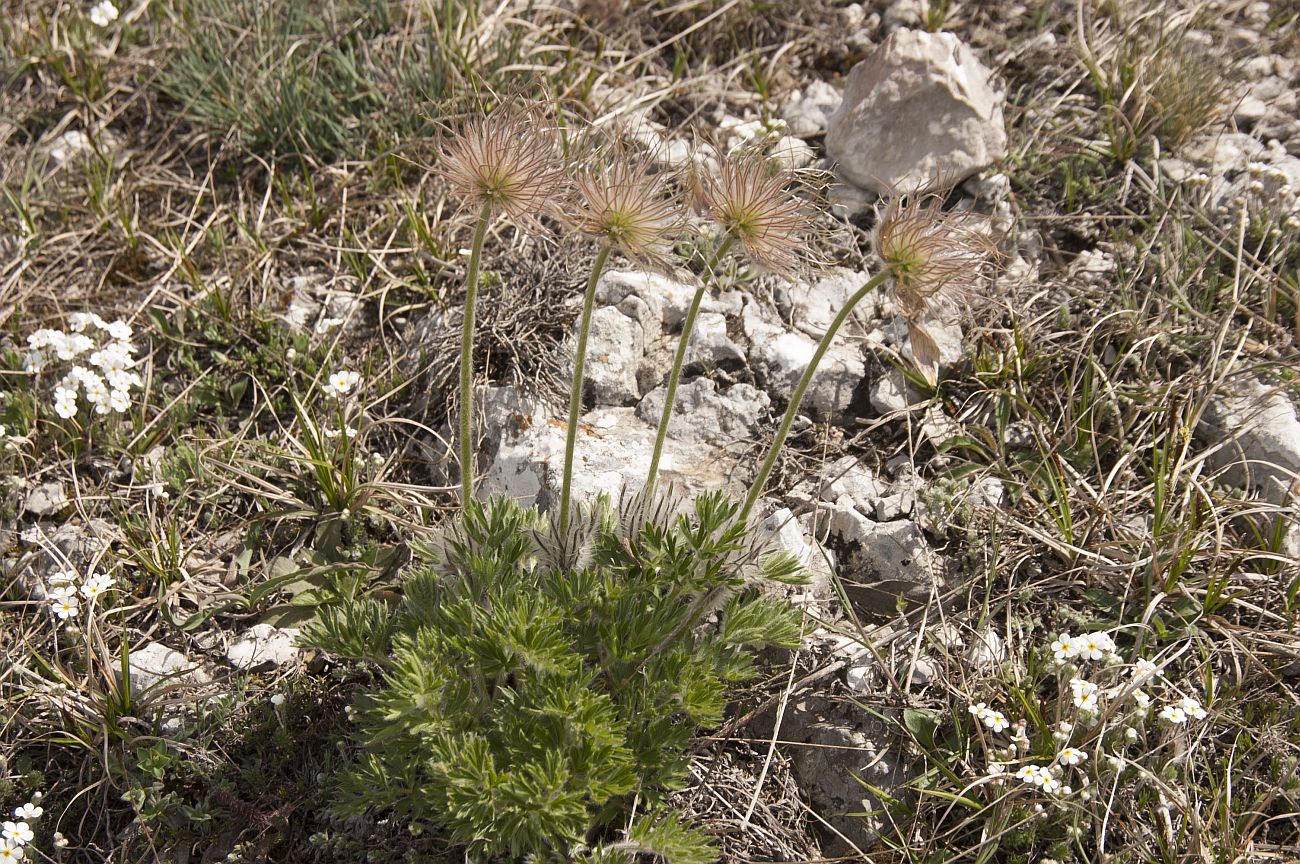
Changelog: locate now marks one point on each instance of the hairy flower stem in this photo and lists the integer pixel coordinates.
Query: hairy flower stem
(467, 360)
(756, 489)
(575, 396)
(688, 325)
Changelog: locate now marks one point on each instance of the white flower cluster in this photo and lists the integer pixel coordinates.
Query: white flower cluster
(341, 383)
(1087, 695)
(103, 13)
(18, 833)
(1089, 646)
(107, 386)
(1115, 681)
(1043, 778)
(1186, 708)
(65, 594)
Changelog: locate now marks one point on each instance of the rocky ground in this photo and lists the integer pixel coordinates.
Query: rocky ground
(1108, 444)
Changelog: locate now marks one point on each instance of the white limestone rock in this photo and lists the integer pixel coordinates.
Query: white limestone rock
(807, 112)
(263, 646)
(921, 108)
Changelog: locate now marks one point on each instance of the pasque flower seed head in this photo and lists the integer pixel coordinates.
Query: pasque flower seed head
(749, 198)
(621, 199)
(936, 258)
(506, 162)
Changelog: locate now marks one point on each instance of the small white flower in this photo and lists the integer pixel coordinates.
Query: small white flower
(64, 577)
(111, 360)
(10, 852)
(96, 390)
(1173, 714)
(1192, 708)
(995, 720)
(340, 383)
(1072, 756)
(119, 330)
(65, 404)
(123, 380)
(77, 344)
(1142, 698)
(29, 812)
(1093, 646)
(60, 345)
(63, 591)
(1063, 647)
(103, 13)
(1144, 670)
(66, 608)
(1037, 775)
(95, 586)
(119, 401)
(1085, 693)
(1049, 784)
(17, 833)
(277, 700)
(978, 709)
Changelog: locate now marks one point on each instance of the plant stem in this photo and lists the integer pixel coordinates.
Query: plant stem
(575, 396)
(467, 360)
(688, 325)
(756, 489)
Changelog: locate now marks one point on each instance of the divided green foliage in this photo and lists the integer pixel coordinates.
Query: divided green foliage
(529, 703)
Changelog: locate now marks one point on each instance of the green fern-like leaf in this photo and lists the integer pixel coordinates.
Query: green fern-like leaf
(761, 621)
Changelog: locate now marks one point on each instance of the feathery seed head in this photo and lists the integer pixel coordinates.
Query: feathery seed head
(936, 259)
(623, 200)
(505, 161)
(749, 199)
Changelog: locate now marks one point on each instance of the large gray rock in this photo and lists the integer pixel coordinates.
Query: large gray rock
(779, 357)
(666, 300)
(842, 756)
(263, 646)
(885, 561)
(703, 414)
(612, 449)
(710, 345)
(922, 106)
(847, 476)
(786, 533)
(817, 304)
(46, 499)
(1256, 437)
(782, 361)
(154, 664)
(615, 347)
(807, 112)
